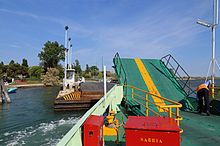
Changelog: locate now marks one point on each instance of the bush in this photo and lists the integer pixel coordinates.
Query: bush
(51, 78)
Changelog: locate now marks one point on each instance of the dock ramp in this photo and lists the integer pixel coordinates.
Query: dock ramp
(150, 75)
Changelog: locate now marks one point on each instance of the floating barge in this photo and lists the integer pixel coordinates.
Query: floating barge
(82, 98)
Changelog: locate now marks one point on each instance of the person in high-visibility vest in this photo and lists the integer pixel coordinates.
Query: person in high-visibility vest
(203, 92)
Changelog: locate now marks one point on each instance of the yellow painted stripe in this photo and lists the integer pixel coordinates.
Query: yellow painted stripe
(67, 97)
(149, 83)
(72, 96)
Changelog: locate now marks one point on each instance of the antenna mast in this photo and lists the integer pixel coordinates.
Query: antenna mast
(213, 27)
(65, 62)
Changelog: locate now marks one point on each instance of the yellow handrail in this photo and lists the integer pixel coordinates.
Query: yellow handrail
(166, 108)
(174, 102)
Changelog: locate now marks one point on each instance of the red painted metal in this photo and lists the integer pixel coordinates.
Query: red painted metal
(93, 131)
(152, 131)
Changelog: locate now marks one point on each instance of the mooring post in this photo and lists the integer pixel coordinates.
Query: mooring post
(1, 94)
(5, 92)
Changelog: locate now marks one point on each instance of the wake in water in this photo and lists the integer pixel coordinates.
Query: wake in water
(42, 134)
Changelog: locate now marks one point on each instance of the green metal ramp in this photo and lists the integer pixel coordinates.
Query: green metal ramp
(129, 74)
(165, 82)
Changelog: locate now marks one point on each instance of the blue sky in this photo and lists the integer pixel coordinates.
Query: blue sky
(134, 28)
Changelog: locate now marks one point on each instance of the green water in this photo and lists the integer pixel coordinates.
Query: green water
(31, 120)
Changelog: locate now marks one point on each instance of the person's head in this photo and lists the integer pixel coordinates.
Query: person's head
(208, 83)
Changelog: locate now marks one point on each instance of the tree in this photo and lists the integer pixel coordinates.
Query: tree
(1, 69)
(87, 69)
(100, 75)
(24, 67)
(24, 62)
(13, 69)
(35, 71)
(61, 70)
(77, 67)
(12, 62)
(24, 71)
(52, 53)
(94, 70)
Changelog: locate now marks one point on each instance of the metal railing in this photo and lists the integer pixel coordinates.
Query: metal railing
(217, 92)
(120, 71)
(184, 79)
(171, 107)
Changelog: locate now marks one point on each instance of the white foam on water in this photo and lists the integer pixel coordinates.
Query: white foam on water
(51, 142)
(61, 122)
(41, 130)
(6, 134)
(45, 127)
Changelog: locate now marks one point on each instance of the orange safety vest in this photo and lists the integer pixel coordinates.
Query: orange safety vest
(202, 86)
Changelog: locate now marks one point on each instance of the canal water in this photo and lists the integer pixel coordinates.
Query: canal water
(31, 120)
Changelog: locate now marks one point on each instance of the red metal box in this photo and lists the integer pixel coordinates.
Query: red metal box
(93, 131)
(152, 131)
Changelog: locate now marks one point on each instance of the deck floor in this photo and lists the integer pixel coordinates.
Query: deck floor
(199, 130)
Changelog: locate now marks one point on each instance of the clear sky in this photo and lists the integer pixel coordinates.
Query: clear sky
(100, 28)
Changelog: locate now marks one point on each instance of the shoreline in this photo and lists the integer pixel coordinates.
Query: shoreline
(25, 85)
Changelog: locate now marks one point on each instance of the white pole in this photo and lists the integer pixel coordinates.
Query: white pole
(214, 25)
(213, 60)
(69, 53)
(71, 56)
(104, 82)
(216, 12)
(65, 62)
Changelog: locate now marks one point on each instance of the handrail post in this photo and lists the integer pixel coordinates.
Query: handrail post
(147, 105)
(170, 112)
(166, 108)
(177, 116)
(132, 92)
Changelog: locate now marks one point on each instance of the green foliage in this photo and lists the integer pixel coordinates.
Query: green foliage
(13, 70)
(52, 53)
(12, 62)
(77, 68)
(87, 69)
(100, 75)
(4, 69)
(1, 69)
(87, 75)
(24, 71)
(61, 70)
(51, 78)
(24, 62)
(35, 72)
(94, 70)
